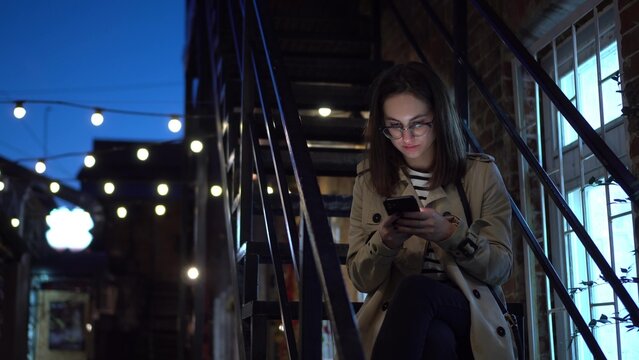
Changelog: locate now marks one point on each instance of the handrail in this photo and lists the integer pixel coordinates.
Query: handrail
(339, 308)
(599, 148)
(592, 249)
(319, 234)
(530, 238)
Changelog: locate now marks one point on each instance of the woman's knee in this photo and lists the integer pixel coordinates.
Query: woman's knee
(415, 285)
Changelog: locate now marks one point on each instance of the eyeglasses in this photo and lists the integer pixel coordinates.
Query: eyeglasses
(416, 129)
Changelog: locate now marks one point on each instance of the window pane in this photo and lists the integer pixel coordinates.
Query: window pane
(578, 274)
(573, 198)
(587, 92)
(606, 333)
(597, 226)
(609, 60)
(625, 258)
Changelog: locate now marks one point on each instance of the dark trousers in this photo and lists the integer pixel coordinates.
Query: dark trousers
(427, 319)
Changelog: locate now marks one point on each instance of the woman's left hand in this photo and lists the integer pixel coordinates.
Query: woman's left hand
(427, 224)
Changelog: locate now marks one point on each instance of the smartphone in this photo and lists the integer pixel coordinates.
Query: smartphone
(401, 204)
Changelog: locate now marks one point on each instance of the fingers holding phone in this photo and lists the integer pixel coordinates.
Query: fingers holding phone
(392, 235)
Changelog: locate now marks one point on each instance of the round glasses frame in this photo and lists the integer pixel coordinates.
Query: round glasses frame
(415, 129)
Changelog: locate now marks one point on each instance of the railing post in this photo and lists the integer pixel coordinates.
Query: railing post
(311, 308)
(461, 46)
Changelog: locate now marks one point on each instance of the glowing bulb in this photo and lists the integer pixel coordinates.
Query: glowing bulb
(163, 189)
(142, 154)
(2, 185)
(15, 222)
(216, 190)
(281, 327)
(89, 327)
(269, 190)
(160, 210)
(193, 273)
(97, 118)
(324, 111)
(89, 161)
(197, 146)
(40, 167)
(109, 188)
(121, 212)
(54, 187)
(175, 125)
(19, 111)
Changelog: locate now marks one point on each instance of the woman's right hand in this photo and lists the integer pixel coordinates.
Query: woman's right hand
(391, 236)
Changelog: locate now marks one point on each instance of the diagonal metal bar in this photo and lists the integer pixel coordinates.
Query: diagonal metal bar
(610, 161)
(271, 235)
(280, 174)
(340, 310)
(592, 249)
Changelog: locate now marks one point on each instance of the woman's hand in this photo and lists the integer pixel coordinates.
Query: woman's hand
(390, 233)
(427, 224)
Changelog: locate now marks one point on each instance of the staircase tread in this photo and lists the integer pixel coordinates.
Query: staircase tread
(271, 309)
(262, 249)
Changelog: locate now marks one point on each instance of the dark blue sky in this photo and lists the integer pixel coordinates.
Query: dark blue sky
(115, 54)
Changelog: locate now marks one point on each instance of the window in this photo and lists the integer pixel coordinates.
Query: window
(582, 57)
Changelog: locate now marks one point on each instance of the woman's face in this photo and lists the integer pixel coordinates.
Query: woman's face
(405, 111)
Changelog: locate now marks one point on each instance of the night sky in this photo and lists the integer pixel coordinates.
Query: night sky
(116, 54)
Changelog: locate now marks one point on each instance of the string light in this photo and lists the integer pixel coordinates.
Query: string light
(269, 190)
(193, 273)
(40, 167)
(97, 118)
(196, 146)
(15, 222)
(160, 210)
(54, 187)
(216, 190)
(163, 189)
(2, 185)
(19, 111)
(175, 125)
(324, 111)
(142, 154)
(109, 188)
(121, 212)
(89, 161)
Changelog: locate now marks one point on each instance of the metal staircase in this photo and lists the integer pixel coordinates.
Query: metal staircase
(260, 72)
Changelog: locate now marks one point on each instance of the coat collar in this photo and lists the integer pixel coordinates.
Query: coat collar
(405, 187)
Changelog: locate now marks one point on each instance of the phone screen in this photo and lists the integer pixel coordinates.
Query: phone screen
(401, 204)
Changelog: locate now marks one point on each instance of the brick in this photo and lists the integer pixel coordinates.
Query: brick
(629, 16)
(630, 42)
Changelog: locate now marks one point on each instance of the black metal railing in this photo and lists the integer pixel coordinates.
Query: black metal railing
(313, 252)
(602, 151)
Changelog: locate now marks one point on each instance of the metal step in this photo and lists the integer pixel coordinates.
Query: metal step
(271, 309)
(261, 249)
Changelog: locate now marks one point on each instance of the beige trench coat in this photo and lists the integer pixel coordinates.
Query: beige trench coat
(376, 269)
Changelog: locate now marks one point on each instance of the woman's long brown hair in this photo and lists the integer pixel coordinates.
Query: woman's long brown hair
(450, 148)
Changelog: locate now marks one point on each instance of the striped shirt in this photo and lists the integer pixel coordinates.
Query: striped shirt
(431, 266)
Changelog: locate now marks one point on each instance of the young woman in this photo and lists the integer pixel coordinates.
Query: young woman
(427, 273)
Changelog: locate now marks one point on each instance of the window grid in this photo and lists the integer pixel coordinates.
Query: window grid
(571, 177)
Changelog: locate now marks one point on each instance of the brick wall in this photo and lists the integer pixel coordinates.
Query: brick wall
(629, 49)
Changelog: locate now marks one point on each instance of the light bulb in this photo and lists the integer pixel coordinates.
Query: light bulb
(193, 273)
(216, 190)
(324, 111)
(175, 125)
(109, 188)
(160, 210)
(197, 146)
(40, 167)
(97, 118)
(142, 154)
(19, 111)
(269, 190)
(15, 222)
(54, 187)
(2, 185)
(89, 161)
(163, 189)
(121, 212)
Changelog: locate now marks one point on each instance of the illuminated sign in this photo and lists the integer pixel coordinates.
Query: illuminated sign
(69, 229)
